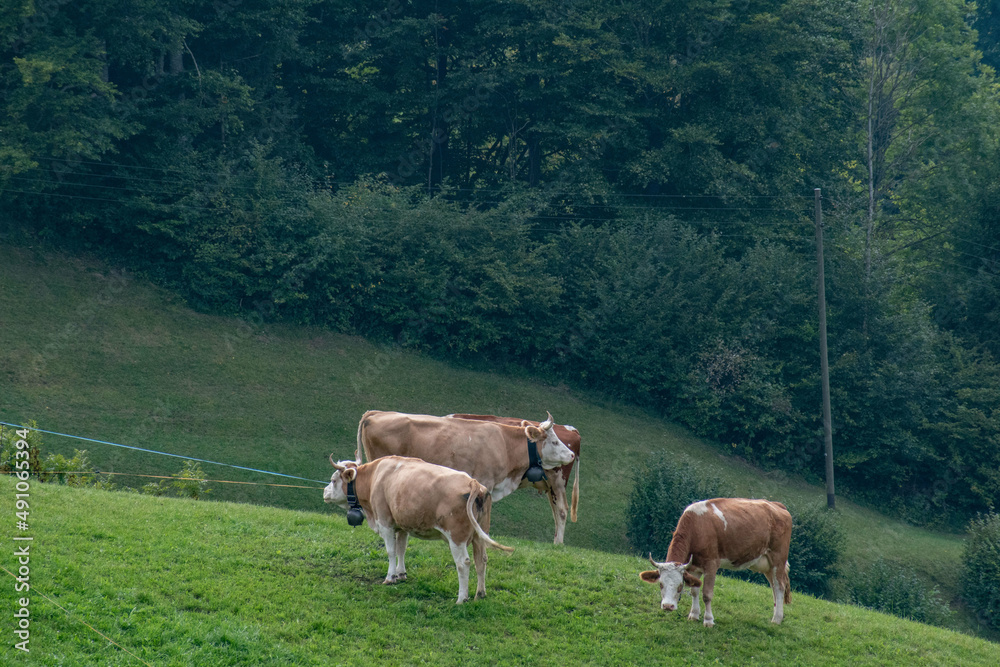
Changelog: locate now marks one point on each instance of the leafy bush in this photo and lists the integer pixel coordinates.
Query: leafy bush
(896, 590)
(981, 579)
(661, 490)
(74, 471)
(190, 482)
(817, 545)
(8, 448)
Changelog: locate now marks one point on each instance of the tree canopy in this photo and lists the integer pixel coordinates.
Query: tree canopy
(617, 194)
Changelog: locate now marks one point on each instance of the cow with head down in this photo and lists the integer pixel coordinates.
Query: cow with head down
(731, 533)
(401, 496)
(496, 455)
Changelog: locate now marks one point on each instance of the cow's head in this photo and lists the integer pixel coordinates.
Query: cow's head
(336, 491)
(672, 578)
(551, 450)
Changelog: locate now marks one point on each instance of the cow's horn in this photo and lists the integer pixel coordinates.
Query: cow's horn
(655, 564)
(688, 564)
(335, 464)
(547, 424)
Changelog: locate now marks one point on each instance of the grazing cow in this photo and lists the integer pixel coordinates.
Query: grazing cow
(496, 455)
(557, 479)
(732, 533)
(403, 496)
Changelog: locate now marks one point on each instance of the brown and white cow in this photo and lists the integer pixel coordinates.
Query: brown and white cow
(494, 454)
(731, 533)
(557, 479)
(403, 496)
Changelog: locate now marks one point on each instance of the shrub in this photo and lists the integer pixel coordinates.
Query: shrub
(981, 580)
(74, 471)
(817, 545)
(661, 491)
(896, 590)
(8, 449)
(190, 482)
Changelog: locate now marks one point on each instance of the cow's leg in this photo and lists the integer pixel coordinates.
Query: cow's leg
(460, 553)
(695, 612)
(389, 537)
(708, 590)
(774, 577)
(401, 539)
(479, 555)
(557, 499)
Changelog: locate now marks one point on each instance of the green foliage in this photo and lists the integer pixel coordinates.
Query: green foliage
(607, 194)
(661, 489)
(8, 449)
(896, 590)
(74, 471)
(188, 482)
(818, 544)
(981, 574)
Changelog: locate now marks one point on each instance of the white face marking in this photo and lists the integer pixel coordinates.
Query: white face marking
(554, 452)
(334, 491)
(718, 513)
(671, 584)
(698, 508)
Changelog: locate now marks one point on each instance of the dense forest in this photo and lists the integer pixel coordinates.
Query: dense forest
(616, 195)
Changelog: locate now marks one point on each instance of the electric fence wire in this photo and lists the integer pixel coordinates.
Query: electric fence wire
(153, 451)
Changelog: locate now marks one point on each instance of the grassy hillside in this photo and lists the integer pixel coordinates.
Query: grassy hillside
(85, 352)
(179, 582)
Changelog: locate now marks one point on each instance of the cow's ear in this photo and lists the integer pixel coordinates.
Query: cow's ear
(534, 433)
(350, 474)
(691, 580)
(650, 576)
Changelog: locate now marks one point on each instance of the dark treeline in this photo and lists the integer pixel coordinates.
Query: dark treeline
(615, 195)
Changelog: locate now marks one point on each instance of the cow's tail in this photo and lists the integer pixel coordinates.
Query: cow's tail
(477, 491)
(361, 427)
(576, 492)
(788, 585)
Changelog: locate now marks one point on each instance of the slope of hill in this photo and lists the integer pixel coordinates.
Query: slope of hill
(180, 582)
(86, 351)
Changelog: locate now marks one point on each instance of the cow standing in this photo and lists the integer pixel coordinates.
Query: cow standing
(557, 479)
(403, 496)
(494, 454)
(732, 533)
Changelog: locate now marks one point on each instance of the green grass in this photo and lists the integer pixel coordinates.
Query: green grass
(124, 361)
(181, 582)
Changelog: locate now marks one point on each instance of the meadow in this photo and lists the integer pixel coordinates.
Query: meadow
(87, 351)
(184, 582)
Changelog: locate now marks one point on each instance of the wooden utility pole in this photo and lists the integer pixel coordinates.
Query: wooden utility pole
(824, 366)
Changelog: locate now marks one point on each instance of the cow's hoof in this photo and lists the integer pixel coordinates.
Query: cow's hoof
(709, 624)
(692, 617)
(401, 577)
(480, 596)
